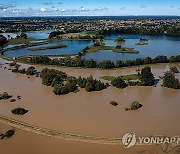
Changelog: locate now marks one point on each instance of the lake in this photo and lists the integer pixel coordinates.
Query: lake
(73, 48)
(157, 45)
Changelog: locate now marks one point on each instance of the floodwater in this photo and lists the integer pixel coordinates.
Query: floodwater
(90, 113)
(29, 143)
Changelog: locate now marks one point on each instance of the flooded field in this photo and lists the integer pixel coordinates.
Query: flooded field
(90, 113)
(31, 143)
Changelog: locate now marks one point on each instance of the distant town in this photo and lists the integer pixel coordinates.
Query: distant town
(136, 25)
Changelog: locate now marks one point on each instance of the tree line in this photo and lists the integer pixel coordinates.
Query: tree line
(168, 31)
(64, 84)
(77, 61)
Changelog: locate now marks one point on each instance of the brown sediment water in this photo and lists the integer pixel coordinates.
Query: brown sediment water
(90, 113)
(30, 143)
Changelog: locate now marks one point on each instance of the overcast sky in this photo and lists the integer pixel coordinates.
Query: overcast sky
(90, 8)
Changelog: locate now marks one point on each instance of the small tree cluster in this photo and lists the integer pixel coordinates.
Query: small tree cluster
(146, 76)
(19, 111)
(119, 83)
(170, 81)
(94, 85)
(174, 69)
(135, 105)
(5, 95)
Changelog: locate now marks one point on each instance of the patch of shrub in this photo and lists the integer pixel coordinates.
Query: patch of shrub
(113, 103)
(135, 105)
(19, 111)
(119, 83)
(12, 100)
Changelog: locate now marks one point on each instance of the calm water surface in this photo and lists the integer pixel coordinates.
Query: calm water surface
(157, 45)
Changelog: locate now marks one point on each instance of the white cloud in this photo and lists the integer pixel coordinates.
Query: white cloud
(101, 9)
(42, 9)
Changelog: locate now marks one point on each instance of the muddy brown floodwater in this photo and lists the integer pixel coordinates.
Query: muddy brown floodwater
(90, 113)
(28, 143)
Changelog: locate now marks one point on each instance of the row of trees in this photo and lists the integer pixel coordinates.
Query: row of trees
(77, 61)
(169, 31)
(63, 84)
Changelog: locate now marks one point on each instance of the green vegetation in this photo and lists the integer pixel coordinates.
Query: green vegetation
(94, 85)
(63, 84)
(120, 39)
(142, 42)
(146, 76)
(124, 50)
(130, 77)
(107, 64)
(19, 40)
(22, 35)
(19, 111)
(78, 62)
(51, 77)
(161, 59)
(18, 97)
(113, 103)
(135, 105)
(170, 81)
(5, 96)
(48, 47)
(3, 40)
(124, 77)
(8, 134)
(85, 35)
(55, 34)
(145, 30)
(119, 83)
(109, 78)
(12, 100)
(174, 69)
(29, 71)
(99, 46)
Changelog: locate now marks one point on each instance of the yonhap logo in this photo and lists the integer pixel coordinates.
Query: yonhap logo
(129, 140)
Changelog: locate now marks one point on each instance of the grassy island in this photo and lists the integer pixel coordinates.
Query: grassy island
(114, 49)
(120, 40)
(48, 47)
(142, 42)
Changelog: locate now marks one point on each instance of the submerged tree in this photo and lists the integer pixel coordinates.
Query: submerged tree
(119, 83)
(146, 76)
(170, 81)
